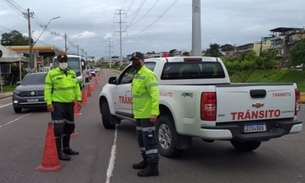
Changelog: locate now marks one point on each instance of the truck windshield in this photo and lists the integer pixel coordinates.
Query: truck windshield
(33, 79)
(74, 64)
(192, 70)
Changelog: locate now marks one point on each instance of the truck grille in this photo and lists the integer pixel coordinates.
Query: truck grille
(31, 93)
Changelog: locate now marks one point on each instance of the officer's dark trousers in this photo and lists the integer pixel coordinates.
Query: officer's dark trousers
(63, 120)
(147, 140)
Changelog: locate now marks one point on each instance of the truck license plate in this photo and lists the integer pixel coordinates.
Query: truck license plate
(33, 100)
(255, 127)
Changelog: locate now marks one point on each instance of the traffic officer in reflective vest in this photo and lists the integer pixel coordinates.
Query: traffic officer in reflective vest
(60, 91)
(145, 105)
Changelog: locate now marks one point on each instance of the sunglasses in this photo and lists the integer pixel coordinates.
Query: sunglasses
(136, 59)
(63, 60)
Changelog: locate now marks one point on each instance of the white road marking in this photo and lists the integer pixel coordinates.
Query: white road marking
(5, 105)
(14, 120)
(112, 157)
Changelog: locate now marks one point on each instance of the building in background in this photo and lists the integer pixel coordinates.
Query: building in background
(283, 40)
(257, 46)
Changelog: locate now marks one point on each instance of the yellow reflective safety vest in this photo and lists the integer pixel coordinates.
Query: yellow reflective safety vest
(61, 87)
(145, 94)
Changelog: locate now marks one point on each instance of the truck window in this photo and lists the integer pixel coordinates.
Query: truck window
(192, 70)
(150, 65)
(127, 76)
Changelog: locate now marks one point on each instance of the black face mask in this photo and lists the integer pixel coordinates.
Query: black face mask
(136, 64)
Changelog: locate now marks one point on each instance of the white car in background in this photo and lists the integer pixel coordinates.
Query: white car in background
(299, 67)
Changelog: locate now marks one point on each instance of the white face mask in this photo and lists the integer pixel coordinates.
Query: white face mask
(63, 65)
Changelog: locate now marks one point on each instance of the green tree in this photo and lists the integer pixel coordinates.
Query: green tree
(213, 51)
(227, 47)
(297, 53)
(14, 38)
(186, 53)
(243, 65)
(171, 52)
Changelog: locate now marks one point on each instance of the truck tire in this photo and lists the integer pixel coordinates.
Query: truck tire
(245, 146)
(17, 109)
(167, 135)
(106, 116)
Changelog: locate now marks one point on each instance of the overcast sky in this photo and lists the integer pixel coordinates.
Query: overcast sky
(148, 25)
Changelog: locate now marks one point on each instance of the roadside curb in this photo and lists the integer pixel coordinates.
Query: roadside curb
(5, 95)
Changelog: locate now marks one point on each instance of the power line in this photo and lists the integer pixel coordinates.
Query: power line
(15, 4)
(173, 3)
(124, 2)
(15, 8)
(137, 11)
(130, 5)
(6, 28)
(148, 11)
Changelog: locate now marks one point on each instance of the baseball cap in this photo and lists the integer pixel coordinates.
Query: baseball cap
(137, 55)
(62, 57)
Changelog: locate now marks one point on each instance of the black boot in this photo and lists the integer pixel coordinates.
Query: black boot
(69, 151)
(150, 170)
(143, 164)
(63, 156)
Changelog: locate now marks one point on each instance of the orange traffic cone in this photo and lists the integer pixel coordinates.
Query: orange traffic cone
(73, 134)
(50, 161)
(84, 97)
(88, 92)
(91, 86)
(76, 111)
(96, 81)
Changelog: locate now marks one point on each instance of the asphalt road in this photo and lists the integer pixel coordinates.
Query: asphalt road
(107, 155)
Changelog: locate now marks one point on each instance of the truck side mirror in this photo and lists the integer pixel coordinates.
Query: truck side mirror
(112, 80)
(83, 65)
(18, 83)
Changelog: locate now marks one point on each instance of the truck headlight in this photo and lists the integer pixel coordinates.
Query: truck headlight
(17, 92)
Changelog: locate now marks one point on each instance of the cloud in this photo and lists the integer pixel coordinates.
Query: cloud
(154, 26)
(107, 36)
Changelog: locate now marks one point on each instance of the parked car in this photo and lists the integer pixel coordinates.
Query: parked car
(30, 92)
(299, 67)
(88, 76)
(92, 71)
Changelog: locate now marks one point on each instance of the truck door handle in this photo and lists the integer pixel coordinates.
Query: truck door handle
(258, 93)
(128, 91)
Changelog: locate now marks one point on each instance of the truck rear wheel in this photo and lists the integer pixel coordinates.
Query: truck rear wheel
(106, 116)
(167, 137)
(245, 146)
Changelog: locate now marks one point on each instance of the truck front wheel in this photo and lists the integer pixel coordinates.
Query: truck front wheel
(167, 135)
(106, 116)
(17, 109)
(245, 146)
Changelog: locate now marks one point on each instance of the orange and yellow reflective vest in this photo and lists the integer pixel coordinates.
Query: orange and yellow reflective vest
(145, 94)
(61, 87)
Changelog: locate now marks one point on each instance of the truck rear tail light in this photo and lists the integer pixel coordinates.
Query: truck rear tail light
(208, 106)
(297, 98)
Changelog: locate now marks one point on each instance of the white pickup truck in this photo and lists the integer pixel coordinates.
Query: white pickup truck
(197, 99)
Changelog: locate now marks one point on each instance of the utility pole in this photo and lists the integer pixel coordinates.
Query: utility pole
(196, 28)
(66, 47)
(109, 47)
(83, 51)
(120, 31)
(31, 61)
(77, 47)
(261, 47)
